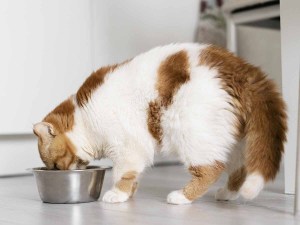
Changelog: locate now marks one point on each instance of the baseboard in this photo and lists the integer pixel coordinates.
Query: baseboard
(18, 153)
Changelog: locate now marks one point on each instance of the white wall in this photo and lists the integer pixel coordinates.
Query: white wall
(126, 28)
(45, 54)
(290, 52)
(49, 47)
(267, 52)
(18, 153)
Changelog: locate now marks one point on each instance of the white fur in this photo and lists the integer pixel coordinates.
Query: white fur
(84, 144)
(115, 196)
(236, 158)
(198, 125)
(177, 198)
(234, 162)
(253, 184)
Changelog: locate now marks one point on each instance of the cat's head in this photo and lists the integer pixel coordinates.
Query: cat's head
(57, 150)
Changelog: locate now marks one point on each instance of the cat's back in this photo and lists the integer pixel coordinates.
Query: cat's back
(140, 76)
(152, 59)
(159, 72)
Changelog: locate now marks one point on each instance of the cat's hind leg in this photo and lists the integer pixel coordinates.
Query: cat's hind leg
(236, 172)
(234, 183)
(202, 178)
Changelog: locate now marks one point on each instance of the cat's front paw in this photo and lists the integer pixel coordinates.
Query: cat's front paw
(115, 196)
(177, 198)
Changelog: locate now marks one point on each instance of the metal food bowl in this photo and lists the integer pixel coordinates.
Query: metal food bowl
(69, 186)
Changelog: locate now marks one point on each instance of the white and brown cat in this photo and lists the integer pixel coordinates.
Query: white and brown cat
(214, 110)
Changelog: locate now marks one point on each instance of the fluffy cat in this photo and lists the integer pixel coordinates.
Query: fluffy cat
(214, 110)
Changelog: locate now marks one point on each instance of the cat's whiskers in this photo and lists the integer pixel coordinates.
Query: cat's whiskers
(88, 151)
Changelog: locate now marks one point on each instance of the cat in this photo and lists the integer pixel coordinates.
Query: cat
(201, 102)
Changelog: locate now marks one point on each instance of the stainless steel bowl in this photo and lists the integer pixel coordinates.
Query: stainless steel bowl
(69, 186)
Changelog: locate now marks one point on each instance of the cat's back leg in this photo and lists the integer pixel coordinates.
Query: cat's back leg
(206, 172)
(200, 126)
(202, 178)
(236, 174)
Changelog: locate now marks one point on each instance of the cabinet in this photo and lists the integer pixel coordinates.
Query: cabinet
(45, 55)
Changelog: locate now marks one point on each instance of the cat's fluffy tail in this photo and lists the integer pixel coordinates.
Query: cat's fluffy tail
(265, 135)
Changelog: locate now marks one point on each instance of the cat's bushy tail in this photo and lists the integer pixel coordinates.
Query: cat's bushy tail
(265, 135)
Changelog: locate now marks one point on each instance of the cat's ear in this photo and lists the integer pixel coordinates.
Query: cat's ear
(44, 129)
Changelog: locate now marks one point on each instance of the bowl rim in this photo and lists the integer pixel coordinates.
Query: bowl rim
(89, 168)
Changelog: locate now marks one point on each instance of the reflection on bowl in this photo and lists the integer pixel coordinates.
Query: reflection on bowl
(69, 186)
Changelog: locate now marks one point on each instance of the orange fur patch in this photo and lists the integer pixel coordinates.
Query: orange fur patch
(93, 81)
(154, 115)
(58, 151)
(62, 117)
(259, 109)
(128, 182)
(202, 178)
(236, 179)
(172, 73)
(62, 152)
(233, 73)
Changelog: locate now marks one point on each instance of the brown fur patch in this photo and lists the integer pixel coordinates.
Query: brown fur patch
(203, 177)
(93, 81)
(62, 117)
(58, 151)
(259, 109)
(128, 183)
(172, 73)
(236, 179)
(233, 73)
(62, 152)
(154, 115)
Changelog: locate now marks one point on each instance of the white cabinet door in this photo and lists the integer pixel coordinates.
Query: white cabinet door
(125, 28)
(46, 53)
